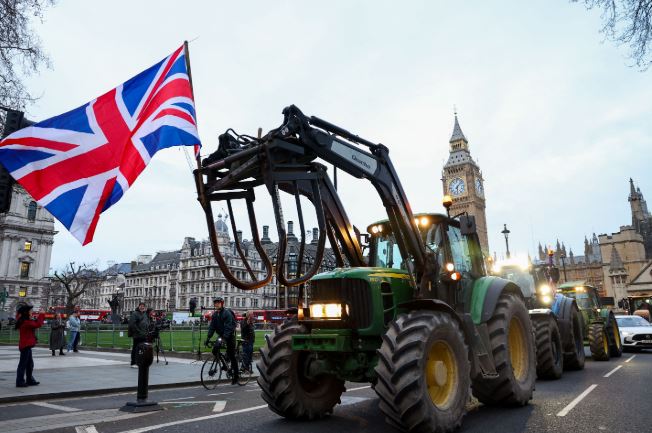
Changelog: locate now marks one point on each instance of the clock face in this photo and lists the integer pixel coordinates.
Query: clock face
(457, 187)
(479, 188)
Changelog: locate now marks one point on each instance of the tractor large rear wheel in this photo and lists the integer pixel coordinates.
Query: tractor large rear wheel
(512, 345)
(599, 342)
(574, 357)
(423, 373)
(550, 357)
(284, 383)
(613, 333)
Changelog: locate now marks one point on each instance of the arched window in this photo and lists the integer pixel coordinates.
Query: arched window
(31, 211)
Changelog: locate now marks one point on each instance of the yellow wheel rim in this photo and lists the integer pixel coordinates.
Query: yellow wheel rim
(605, 343)
(517, 349)
(616, 335)
(441, 375)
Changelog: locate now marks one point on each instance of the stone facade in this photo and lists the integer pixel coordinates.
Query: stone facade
(630, 248)
(26, 238)
(462, 180)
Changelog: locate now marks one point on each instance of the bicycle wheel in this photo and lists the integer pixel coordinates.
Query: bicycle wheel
(211, 372)
(244, 373)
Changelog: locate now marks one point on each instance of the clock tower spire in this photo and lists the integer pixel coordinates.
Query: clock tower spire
(462, 180)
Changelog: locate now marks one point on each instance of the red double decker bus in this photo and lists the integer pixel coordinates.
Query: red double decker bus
(85, 314)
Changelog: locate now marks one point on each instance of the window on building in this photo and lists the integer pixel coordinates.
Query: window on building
(28, 245)
(24, 270)
(31, 211)
(22, 292)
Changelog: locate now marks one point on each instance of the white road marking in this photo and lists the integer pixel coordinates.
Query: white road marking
(86, 429)
(190, 402)
(180, 398)
(574, 403)
(630, 358)
(613, 371)
(252, 390)
(55, 406)
(219, 406)
(201, 418)
(360, 387)
(63, 420)
(222, 393)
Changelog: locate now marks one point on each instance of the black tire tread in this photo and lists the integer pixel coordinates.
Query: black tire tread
(547, 334)
(501, 390)
(596, 336)
(576, 359)
(400, 373)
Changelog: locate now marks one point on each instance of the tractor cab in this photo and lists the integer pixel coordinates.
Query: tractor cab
(537, 282)
(442, 235)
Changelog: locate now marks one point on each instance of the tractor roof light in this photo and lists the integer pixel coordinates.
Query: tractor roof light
(580, 289)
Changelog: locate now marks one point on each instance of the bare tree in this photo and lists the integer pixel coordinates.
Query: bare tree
(76, 280)
(627, 22)
(21, 53)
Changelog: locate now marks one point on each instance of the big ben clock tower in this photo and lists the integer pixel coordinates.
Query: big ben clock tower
(462, 180)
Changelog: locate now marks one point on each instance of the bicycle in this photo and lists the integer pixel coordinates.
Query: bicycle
(211, 371)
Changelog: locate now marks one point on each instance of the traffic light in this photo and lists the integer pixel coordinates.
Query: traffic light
(14, 120)
(192, 305)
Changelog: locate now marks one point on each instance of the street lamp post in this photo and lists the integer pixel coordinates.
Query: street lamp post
(506, 232)
(562, 256)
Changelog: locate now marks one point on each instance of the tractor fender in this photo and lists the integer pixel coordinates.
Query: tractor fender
(433, 305)
(486, 291)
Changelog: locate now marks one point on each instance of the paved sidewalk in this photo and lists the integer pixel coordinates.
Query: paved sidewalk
(88, 373)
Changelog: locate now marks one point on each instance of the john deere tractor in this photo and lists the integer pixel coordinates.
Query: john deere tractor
(601, 328)
(418, 317)
(558, 324)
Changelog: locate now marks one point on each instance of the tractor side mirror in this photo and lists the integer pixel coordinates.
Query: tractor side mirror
(467, 225)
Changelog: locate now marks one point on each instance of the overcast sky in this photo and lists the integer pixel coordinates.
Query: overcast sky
(556, 119)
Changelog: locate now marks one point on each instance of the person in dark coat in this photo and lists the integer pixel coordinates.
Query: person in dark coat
(138, 329)
(26, 325)
(248, 334)
(57, 327)
(223, 323)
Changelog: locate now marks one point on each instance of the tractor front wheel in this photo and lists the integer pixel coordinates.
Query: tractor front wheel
(423, 372)
(574, 357)
(550, 357)
(286, 387)
(512, 345)
(615, 343)
(599, 342)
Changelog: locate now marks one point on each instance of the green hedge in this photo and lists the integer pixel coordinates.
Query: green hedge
(95, 335)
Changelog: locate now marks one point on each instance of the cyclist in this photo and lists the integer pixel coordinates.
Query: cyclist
(223, 322)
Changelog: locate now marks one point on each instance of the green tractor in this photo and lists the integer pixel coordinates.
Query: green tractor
(417, 317)
(601, 327)
(557, 321)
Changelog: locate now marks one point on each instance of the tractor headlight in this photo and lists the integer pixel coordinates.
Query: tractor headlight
(327, 311)
(545, 289)
(546, 299)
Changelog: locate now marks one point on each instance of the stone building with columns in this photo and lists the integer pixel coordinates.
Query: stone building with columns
(26, 239)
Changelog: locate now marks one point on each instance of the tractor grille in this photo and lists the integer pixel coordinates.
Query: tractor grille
(639, 337)
(352, 291)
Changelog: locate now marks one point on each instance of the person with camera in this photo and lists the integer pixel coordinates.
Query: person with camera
(138, 330)
(223, 323)
(26, 324)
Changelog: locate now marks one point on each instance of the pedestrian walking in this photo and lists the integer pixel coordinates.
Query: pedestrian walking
(248, 334)
(74, 324)
(223, 323)
(27, 324)
(57, 340)
(138, 327)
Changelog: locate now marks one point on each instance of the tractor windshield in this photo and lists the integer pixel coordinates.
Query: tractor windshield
(583, 299)
(521, 277)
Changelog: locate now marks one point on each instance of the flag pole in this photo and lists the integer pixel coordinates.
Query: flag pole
(186, 52)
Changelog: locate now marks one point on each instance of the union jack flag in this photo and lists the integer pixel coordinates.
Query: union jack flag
(80, 163)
